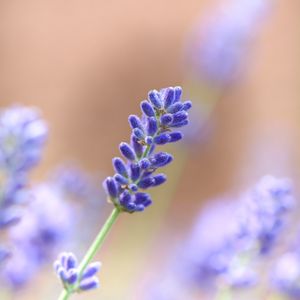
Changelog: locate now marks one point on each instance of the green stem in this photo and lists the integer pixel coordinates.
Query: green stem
(147, 150)
(64, 295)
(97, 243)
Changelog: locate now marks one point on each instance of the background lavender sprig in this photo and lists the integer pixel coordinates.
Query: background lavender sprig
(40, 233)
(22, 137)
(217, 50)
(252, 228)
(163, 112)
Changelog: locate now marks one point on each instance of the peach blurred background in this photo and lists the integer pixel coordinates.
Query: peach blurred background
(87, 64)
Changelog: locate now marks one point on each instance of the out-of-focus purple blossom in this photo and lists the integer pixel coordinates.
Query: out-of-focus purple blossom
(217, 49)
(286, 275)
(213, 244)
(42, 231)
(22, 137)
(75, 183)
(263, 214)
(162, 113)
(229, 238)
(67, 270)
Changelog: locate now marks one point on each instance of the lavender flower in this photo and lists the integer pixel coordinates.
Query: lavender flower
(163, 113)
(39, 234)
(22, 137)
(212, 248)
(252, 227)
(66, 269)
(73, 182)
(218, 50)
(264, 211)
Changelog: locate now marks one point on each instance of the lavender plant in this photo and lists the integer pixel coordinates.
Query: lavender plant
(217, 51)
(22, 137)
(40, 233)
(229, 241)
(162, 114)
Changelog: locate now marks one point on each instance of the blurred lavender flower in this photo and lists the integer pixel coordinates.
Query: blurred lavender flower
(252, 227)
(263, 214)
(163, 112)
(66, 269)
(216, 52)
(22, 137)
(286, 274)
(212, 248)
(71, 180)
(39, 234)
(75, 183)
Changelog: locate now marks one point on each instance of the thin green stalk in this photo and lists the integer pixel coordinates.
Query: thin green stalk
(94, 248)
(64, 295)
(147, 150)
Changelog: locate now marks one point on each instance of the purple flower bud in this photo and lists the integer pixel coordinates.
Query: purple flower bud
(174, 108)
(120, 166)
(149, 140)
(72, 276)
(63, 257)
(162, 139)
(111, 187)
(62, 274)
(178, 93)
(179, 124)
(138, 133)
(135, 122)
(155, 99)
(175, 136)
(89, 284)
(140, 207)
(159, 179)
(187, 105)
(147, 109)
(166, 119)
(151, 126)
(121, 179)
(131, 206)
(180, 116)
(168, 95)
(71, 261)
(145, 163)
(142, 198)
(135, 171)
(133, 187)
(137, 146)
(145, 183)
(125, 198)
(127, 151)
(160, 159)
(91, 270)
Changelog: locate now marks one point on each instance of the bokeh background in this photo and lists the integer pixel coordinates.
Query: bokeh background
(87, 64)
